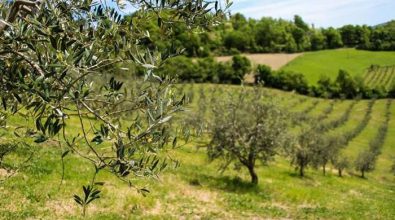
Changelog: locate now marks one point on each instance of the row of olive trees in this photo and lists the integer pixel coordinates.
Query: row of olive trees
(317, 149)
(237, 136)
(365, 162)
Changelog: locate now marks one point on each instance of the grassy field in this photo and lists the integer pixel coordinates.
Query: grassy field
(196, 190)
(328, 62)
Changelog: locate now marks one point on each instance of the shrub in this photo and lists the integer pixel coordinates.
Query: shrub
(226, 74)
(207, 68)
(264, 74)
(347, 85)
(325, 87)
(180, 67)
(241, 66)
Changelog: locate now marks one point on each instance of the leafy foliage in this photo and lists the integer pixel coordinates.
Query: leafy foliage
(365, 162)
(341, 163)
(239, 34)
(90, 194)
(246, 140)
(206, 69)
(55, 66)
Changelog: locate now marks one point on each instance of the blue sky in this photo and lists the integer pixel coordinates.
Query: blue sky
(321, 13)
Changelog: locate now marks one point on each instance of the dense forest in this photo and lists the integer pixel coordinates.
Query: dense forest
(268, 35)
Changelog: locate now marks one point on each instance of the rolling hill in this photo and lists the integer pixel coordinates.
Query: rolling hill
(196, 190)
(329, 62)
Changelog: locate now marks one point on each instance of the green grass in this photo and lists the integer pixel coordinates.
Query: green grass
(196, 190)
(328, 62)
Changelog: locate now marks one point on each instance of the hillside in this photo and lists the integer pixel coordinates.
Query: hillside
(328, 62)
(388, 25)
(196, 190)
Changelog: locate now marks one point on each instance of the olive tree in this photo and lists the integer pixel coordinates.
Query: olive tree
(57, 59)
(365, 162)
(326, 151)
(341, 163)
(305, 149)
(246, 129)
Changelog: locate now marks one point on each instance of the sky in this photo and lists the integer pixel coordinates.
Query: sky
(321, 13)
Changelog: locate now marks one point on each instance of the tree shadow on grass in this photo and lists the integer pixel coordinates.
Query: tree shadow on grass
(297, 175)
(225, 183)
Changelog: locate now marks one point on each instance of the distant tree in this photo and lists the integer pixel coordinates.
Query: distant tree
(226, 73)
(333, 38)
(180, 67)
(237, 40)
(271, 34)
(239, 21)
(341, 163)
(365, 162)
(208, 69)
(326, 88)
(291, 81)
(363, 35)
(347, 85)
(300, 23)
(264, 74)
(349, 35)
(303, 152)
(318, 40)
(326, 151)
(301, 39)
(238, 136)
(241, 66)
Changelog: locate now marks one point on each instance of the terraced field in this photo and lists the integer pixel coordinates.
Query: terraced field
(196, 190)
(380, 76)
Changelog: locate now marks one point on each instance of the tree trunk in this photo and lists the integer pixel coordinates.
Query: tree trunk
(340, 172)
(254, 176)
(301, 171)
(323, 169)
(363, 173)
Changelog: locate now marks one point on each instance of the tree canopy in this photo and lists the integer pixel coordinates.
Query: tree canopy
(57, 63)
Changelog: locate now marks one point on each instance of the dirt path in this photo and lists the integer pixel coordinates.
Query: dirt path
(275, 61)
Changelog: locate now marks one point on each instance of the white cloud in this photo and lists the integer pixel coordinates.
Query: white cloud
(320, 12)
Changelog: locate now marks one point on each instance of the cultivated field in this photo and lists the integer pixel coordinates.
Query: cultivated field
(328, 62)
(196, 190)
(275, 61)
(380, 76)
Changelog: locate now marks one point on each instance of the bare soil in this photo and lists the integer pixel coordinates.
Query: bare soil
(274, 60)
